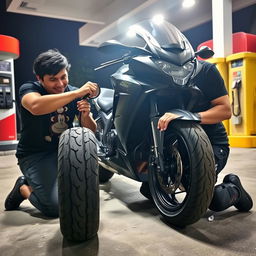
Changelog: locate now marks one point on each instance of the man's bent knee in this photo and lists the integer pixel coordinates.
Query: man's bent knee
(222, 198)
(51, 211)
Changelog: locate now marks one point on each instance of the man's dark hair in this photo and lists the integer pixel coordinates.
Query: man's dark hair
(50, 62)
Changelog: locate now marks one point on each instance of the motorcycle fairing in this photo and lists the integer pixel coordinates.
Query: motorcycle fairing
(130, 138)
(163, 41)
(184, 115)
(105, 99)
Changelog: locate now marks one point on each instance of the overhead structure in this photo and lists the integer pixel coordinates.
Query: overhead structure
(222, 27)
(106, 19)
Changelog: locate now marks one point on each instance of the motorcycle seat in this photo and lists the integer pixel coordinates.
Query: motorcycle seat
(105, 99)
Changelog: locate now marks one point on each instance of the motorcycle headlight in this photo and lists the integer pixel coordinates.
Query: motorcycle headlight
(179, 74)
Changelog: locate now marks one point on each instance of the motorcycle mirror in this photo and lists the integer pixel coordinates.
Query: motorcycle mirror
(97, 93)
(205, 52)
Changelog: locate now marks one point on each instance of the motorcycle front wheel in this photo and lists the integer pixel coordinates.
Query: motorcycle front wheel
(78, 184)
(183, 192)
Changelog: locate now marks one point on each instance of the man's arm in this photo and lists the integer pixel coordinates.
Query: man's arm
(88, 121)
(220, 110)
(38, 104)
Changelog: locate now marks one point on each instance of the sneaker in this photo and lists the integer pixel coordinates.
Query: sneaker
(145, 191)
(244, 202)
(15, 198)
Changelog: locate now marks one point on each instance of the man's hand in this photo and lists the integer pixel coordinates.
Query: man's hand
(86, 118)
(165, 120)
(89, 88)
(84, 107)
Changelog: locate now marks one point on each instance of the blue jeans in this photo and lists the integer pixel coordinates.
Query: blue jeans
(40, 170)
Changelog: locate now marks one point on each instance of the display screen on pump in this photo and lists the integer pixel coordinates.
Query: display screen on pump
(5, 66)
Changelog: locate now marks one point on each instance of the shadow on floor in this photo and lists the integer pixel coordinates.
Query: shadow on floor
(228, 229)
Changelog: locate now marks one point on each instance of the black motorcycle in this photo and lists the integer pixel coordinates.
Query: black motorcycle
(178, 164)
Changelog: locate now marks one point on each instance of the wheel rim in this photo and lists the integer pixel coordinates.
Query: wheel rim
(171, 188)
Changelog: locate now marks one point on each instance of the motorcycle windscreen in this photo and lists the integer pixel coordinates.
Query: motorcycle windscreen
(164, 35)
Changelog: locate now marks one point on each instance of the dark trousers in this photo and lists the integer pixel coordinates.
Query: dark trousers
(40, 170)
(221, 153)
(225, 194)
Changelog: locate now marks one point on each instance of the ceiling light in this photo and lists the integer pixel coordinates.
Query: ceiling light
(158, 19)
(188, 3)
(132, 31)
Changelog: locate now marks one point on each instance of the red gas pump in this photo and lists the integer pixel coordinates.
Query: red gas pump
(9, 50)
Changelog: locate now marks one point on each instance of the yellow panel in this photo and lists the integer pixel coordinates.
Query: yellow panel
(242, 128)
(242, 141)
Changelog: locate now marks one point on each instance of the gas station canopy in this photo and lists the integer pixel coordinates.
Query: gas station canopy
(106, 19)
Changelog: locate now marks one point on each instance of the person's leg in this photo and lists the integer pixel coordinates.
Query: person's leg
(145, 191)
(16, 197)
(231, 191)
(40, 171)
(221, 154)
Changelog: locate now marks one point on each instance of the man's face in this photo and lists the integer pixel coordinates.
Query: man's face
(55, 84)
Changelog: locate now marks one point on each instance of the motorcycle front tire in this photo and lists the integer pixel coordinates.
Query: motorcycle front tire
(78, 184)
(198, 177)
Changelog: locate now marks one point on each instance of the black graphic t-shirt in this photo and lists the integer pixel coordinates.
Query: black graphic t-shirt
(41, 133)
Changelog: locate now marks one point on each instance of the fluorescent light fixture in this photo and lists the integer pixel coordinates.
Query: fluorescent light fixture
(188, 3)
(158, 19)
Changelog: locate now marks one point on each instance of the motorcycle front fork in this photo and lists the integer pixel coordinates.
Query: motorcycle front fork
(158, 144)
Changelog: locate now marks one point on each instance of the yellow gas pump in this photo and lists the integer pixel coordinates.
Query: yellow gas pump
(223, 69)
(242, 89)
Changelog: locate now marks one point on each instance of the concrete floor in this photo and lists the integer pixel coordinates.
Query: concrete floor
(130, 225)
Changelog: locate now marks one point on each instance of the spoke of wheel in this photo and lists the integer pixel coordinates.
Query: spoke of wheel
(175, 143)
(180, 192)
(174, 198)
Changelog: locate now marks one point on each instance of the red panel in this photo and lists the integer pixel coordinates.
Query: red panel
(242, 42)
(9, 47)
(8, 128)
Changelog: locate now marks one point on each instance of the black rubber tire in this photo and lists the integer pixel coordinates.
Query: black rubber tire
(104, 175)
(199, 175)
(78, 184)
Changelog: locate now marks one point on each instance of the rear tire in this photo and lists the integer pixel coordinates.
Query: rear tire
(186, 148)
(78, 184)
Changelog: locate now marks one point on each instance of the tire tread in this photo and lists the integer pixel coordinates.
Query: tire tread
(78, 184)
